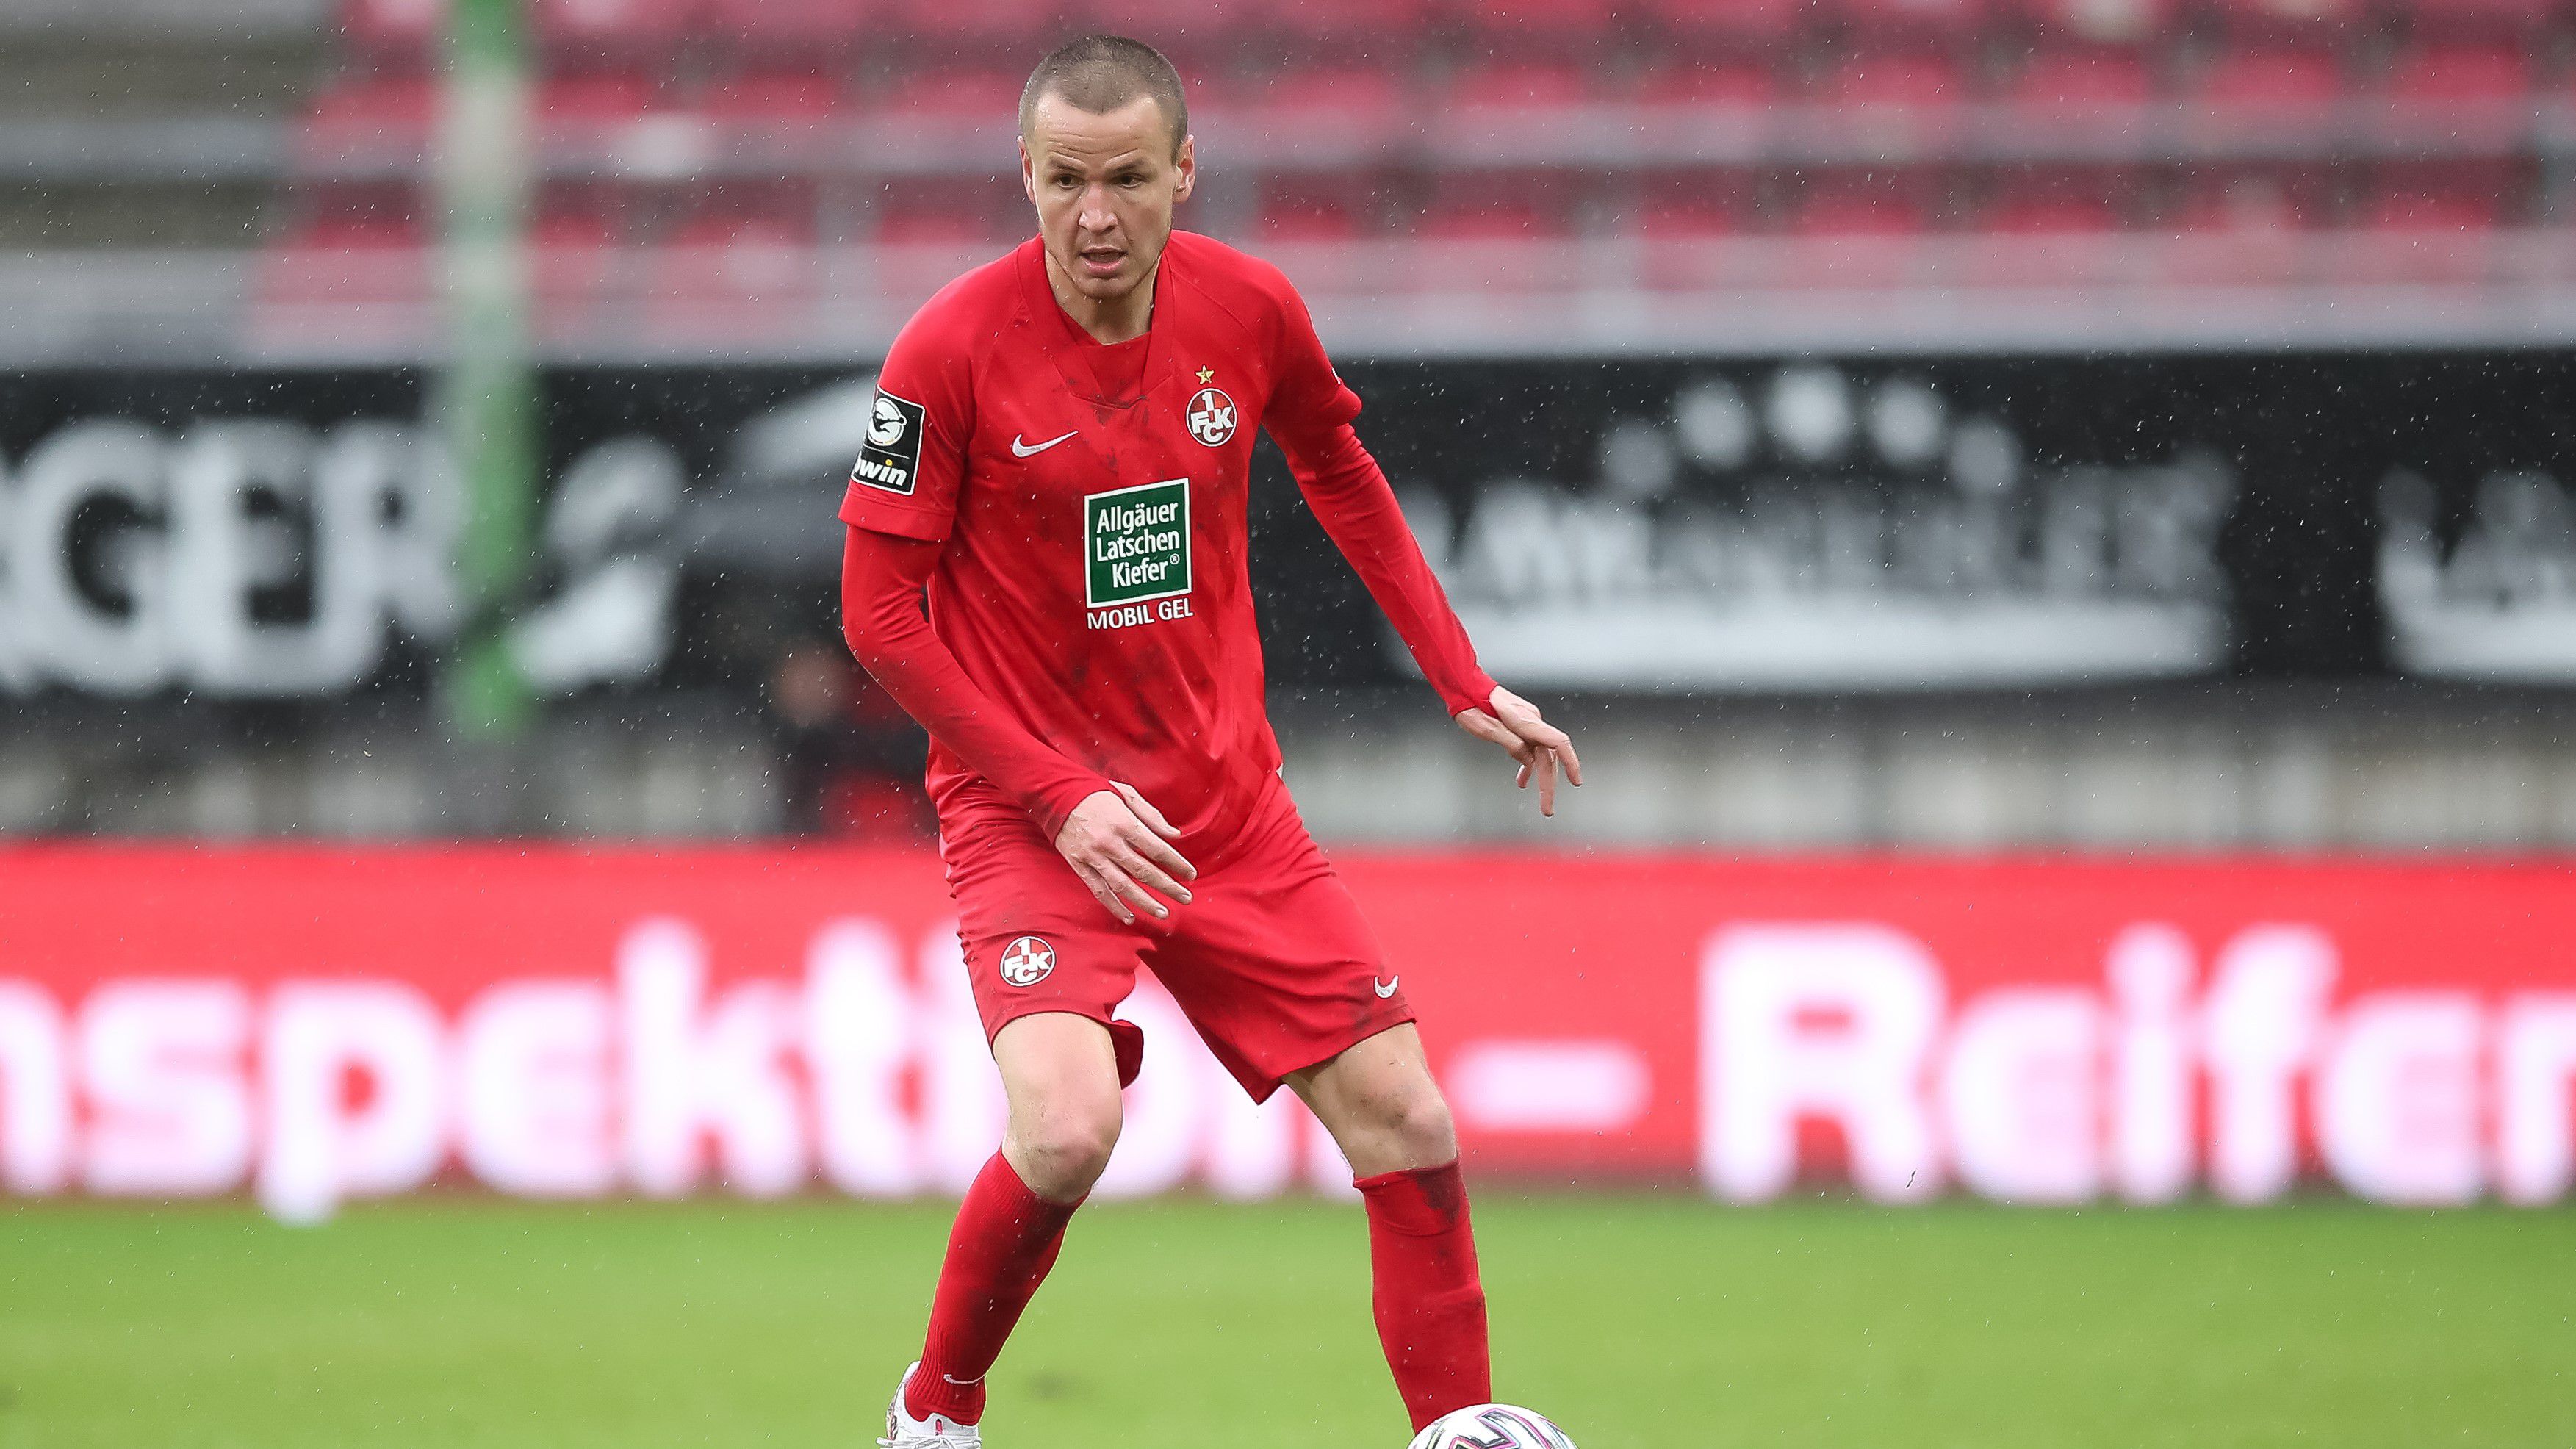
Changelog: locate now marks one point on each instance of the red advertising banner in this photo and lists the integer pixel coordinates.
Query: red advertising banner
(318, 1025)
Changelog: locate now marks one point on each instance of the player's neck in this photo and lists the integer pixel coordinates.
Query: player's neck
(1122, 319)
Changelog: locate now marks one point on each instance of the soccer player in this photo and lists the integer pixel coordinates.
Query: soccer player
(1059, 457)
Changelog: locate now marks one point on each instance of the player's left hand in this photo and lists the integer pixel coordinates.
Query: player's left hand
(1540, 748)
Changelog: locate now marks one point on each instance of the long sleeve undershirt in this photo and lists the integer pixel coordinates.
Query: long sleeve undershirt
(881, 615)
(882, 577)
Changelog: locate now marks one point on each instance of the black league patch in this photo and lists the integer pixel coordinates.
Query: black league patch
(891, 457)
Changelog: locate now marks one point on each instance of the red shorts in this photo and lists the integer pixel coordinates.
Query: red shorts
(1270, 959)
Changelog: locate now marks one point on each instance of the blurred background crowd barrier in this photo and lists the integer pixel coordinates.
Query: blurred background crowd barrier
(1954, 423)
(1931, 440)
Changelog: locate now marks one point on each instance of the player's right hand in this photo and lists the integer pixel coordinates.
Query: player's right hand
(1121, 847)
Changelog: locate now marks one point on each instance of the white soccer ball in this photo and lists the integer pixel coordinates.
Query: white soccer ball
(1492, 1426)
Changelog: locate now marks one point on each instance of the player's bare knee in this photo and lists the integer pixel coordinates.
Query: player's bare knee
(1064, 1151)
(1422, 1126)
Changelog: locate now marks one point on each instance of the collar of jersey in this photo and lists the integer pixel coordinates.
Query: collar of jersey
(1064, 340)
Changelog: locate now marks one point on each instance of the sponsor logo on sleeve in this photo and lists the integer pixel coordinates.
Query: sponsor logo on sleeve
(1136, 554)
(891, 457)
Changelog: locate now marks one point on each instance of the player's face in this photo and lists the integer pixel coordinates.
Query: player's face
(1104, 187)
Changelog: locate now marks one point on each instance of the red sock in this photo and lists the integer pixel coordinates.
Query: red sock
(1005, 1240)
(1430, 1303)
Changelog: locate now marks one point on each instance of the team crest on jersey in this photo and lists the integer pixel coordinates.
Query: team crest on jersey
(1027, 961)
(891, 457)
(1211, 416)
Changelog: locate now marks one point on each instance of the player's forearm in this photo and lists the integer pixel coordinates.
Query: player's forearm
(1357, 507)
(881, 581)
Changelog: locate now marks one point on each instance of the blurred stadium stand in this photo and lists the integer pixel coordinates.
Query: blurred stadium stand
(1636, 175)
(243, 185)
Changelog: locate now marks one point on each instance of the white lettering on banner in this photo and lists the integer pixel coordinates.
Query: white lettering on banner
(35, 1093)
(162, 1072)
(263, 557)
(320, 1146)
(1549, 1086)
(1157, 1142)
(2150, 970)
(534, 1111)
(2397, 1098)
(858, 1022)
(2258, 1032)
(2021, 1098)
(696, 1067)
(2536, 1060)
(962, 1106)
(872, 1072)
(1833, 1021)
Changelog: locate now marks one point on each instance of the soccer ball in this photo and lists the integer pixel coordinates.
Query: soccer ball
(1492, 1426)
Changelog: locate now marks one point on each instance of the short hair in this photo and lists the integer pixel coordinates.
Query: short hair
(1100, 73)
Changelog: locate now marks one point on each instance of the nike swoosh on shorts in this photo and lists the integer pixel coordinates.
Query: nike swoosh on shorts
(1023, 450)
(1384, 989)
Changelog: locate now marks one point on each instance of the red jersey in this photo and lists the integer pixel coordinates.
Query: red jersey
(1090, 502)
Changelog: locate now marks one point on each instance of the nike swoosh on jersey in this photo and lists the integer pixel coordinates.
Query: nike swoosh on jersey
(1384, 989)
(1023, 450)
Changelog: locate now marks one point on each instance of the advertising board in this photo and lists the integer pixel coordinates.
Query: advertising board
(314, 1026)
(1804, 526)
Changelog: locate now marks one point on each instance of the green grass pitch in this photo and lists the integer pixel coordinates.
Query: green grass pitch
(1638, 1320)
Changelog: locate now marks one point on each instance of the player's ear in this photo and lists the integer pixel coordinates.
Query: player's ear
(1187, 163)
(1028, 173)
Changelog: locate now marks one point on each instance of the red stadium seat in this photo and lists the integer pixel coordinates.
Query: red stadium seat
(2460, 73)
(732, 276)
(774, 99)
(2458, 211)
(2059, 231)
(1501, 219)
(623, 27)
(2299, 19)
(348, 254)
(1554, 22)
(401, 32)
(573, 102)
(2482, 19)
(2248, 229)
(920, 210)
(1896, 82)
(2079, 80)
(955, 93)
(1010, 23)
(2127, 23)
(2272, 78)
(1718, 84)
(786, 27)
(370, 111)
(2046, 211)
(1310, 218)
(1861, 235)
(1343, 100)
(571, 252)
(1837, 212)
(1680, 226)
(1522, 86)
(1722, 23)
(2414, 237)
(1678, 217)
(1388, 22)
(1186, 30)
(1879, 23)
(1897, 101)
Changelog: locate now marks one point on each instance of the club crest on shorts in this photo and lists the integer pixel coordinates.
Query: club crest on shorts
(1027, 961)
(1211, 416)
